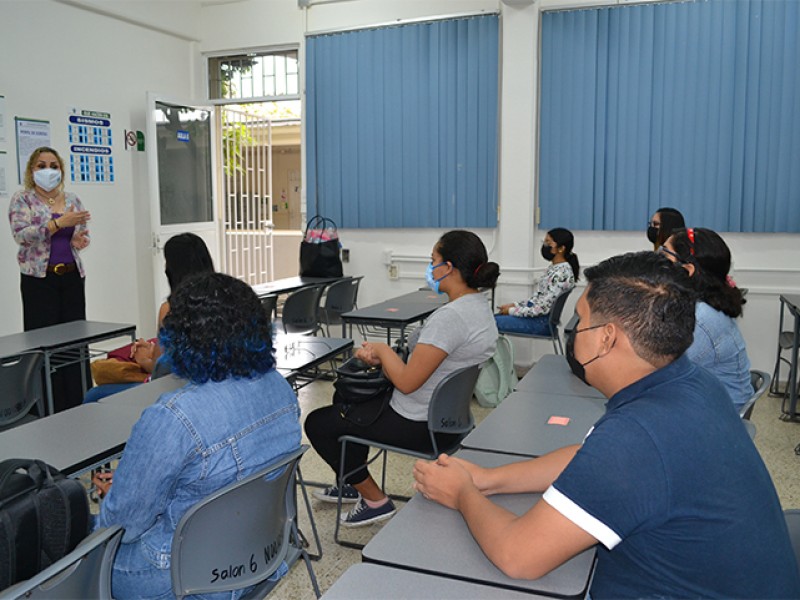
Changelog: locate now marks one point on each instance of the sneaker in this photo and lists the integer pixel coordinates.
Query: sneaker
(362, 514)
(331, 494)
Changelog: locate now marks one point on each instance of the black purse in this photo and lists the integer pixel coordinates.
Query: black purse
(319, 249)
(361, 391)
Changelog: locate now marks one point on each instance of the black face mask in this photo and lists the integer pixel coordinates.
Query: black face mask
(547, 253)
(578, 369)
(652, 234)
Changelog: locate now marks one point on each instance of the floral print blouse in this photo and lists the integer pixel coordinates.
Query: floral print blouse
(29, 216)
(557, 279)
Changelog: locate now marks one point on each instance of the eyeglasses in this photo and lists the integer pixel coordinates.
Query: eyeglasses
(576, 331)
(656, 224)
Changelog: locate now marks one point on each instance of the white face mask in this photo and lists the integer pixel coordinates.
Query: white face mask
(47, 179)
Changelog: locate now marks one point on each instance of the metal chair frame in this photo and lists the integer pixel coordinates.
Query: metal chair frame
(553, 321)
(760, 381)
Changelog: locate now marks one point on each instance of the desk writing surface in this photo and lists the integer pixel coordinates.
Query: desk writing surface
(60, 335)
(425, 536)
(551, 374)
(793, 300)
(299, 352)
(392, 312)
(367, 580)
(290, 284)
(535, 423)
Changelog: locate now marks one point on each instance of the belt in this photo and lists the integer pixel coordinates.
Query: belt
(61, 268)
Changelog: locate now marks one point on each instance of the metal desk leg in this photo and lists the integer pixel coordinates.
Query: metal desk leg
(48, 383)
(83, 369)
(793, 369)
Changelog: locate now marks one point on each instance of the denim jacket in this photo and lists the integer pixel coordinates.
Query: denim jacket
(192, 442)
(719, 347)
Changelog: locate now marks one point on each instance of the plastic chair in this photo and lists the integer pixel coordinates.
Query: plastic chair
(554, 322)
(340, 297)
(20, 389)
(239, 536)
(270, 305)
(83, 573)
(792, 517)
(448, 412)
(301, 311)
(760, 382)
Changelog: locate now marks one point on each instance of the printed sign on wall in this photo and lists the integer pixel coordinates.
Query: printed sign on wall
(91, 158)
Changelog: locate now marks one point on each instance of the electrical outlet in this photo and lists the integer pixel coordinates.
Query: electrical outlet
(345, 255)
(393, 272)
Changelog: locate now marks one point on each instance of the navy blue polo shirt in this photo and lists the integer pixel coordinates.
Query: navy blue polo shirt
(672, 486)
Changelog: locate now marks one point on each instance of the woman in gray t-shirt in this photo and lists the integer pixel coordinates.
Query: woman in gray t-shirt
(459, 334)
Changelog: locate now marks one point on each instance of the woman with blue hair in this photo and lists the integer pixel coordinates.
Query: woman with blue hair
(235, 415)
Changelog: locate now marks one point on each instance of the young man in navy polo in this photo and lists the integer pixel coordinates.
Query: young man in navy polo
(667, 482)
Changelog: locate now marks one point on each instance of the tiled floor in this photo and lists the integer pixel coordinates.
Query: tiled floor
(775, 441)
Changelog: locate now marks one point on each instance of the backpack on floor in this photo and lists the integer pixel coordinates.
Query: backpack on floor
(498, 378)
(43, 516)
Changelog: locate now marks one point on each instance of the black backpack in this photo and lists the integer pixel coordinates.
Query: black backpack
(43, 516)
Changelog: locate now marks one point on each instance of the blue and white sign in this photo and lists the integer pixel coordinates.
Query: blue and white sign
(90, 139)
(183, 136)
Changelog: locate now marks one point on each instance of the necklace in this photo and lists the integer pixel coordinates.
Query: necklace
(50, 201)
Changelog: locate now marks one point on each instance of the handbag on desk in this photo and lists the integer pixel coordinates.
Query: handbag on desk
(361, 391)
(319, 249)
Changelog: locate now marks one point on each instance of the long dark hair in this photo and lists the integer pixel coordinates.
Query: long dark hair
(564, 237)
(711, 257)
(671, 219)
(185, 254)
(466, 252)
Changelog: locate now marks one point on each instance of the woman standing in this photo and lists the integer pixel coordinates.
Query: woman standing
(459, 334)
(49, 225)
(532, 315)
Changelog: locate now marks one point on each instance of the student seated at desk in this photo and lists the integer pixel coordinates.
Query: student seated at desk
(185, 255)
(459, 334)
(235, 415)
(532, 315)
(667, 482)
(718, 344)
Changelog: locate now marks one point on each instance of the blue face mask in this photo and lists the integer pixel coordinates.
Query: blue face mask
(47, 179)
(434, 283)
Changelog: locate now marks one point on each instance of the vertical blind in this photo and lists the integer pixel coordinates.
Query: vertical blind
(402, 125)
(692, 105)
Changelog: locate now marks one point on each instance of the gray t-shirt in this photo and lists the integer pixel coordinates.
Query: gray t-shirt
(465, 329)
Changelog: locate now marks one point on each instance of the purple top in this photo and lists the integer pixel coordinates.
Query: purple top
(60, 249)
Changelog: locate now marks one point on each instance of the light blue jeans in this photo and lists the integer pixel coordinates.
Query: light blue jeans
(533, 325)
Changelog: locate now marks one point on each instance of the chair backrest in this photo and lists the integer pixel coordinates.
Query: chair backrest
(449, 411)
(340, 297)
(301, 310)
(238, 536)
(270, 304)
(556, 310)
(760, 382)
(792, 517)
(20, 386)
(83, 573)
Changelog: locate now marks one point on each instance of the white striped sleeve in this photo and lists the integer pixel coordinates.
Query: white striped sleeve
(591, 525)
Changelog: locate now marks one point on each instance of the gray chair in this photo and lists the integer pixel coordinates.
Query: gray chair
(340, 297)
(448, 412)
(83, 573)
(760, 382)
(300, 313)
(270, 305)
(554, 322)
(20, 389)
(239, 536)
(792, 517)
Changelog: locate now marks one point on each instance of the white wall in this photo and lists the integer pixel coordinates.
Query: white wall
(55, 56)
(130, 60)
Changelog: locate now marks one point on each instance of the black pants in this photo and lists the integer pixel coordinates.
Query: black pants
(49, 301)
(326, 425)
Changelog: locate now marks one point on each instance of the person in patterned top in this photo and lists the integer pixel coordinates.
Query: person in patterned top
(531, 315)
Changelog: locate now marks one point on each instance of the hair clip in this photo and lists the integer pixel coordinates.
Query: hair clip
(690, 235)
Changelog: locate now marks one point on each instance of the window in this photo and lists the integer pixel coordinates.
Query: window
(253, 76)
(694, 105)
(402, 124)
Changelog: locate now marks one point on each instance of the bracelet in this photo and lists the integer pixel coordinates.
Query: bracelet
(55, 222)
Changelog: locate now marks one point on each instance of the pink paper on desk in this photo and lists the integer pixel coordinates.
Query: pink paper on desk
(392, 309)
(554, 420)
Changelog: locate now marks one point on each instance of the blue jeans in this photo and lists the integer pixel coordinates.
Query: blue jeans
(512, 324)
